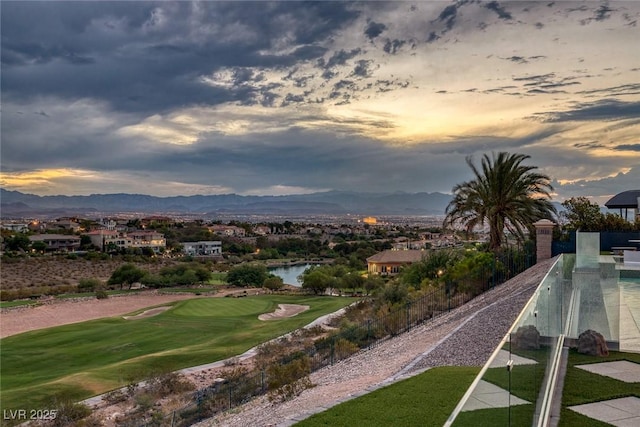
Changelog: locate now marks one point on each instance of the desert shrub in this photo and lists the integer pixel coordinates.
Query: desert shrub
(287, 381)
(345, 348)
(270, 352)
(9, 295)
(89, 285)
(144, 401)
(101, 294)
(168, 384)
(69, 413)
(232, 361)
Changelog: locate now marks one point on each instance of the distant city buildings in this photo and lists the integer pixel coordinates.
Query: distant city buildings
(370, 220)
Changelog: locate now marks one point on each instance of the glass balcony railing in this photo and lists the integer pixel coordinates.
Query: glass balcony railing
(516, 386)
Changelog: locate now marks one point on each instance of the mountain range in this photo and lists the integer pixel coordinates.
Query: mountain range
(14, 204)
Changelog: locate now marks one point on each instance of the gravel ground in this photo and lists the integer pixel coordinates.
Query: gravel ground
(464, 337)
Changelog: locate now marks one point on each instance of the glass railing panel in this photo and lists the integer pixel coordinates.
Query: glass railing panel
(509, 386)
(580, 292)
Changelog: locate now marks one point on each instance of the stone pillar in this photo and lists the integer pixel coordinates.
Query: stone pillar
(544, 237)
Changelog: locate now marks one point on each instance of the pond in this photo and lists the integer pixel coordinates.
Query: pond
(290, 274)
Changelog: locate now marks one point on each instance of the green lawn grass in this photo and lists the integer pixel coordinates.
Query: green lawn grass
(424, 400)
(89, 358)
(17, 303)
(582, 387)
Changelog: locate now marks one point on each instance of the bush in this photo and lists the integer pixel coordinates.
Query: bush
(69, 414)
(274, 283)
(89, 285)
(101, 294)
(287, 381)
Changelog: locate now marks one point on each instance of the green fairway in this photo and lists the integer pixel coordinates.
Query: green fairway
(90, 358)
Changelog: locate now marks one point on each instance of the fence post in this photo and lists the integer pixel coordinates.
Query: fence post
(408, 316)
(331, 354)
(368, 332)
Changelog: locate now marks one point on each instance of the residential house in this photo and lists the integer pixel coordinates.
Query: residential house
(227, 230)
(57, 242)
(390, 262)
(148, 239)
(100, 237)
(19, 227)
(203, 248)
(262, 230)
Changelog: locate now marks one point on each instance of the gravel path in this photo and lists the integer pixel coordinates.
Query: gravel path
(464, 337)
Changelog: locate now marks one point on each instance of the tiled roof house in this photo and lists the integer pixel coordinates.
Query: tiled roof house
(390, 262)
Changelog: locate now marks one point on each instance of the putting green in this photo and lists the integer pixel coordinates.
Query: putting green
(89, 358)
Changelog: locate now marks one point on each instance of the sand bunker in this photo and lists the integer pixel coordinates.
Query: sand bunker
(284, 310)
(147, 313)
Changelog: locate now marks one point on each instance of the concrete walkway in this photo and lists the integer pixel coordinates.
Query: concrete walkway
(629, 316)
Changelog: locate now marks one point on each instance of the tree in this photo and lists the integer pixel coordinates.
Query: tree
(18, 242)
(39, 246)
(505, 194)
(582, 214)
(252, 275)
(126, 274)
(316, 281)
(273, 283)
(429, 268)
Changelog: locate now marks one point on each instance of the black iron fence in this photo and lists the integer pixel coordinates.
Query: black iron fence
(230, 393)
(608, 241)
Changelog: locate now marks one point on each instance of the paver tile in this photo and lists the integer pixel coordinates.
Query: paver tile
(621, 412)
(622, 370)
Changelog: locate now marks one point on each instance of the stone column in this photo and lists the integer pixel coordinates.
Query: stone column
(544, 237)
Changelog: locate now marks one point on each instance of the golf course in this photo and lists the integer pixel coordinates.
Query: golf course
(81, 360)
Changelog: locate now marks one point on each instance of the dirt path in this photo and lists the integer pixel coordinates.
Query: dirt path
(62, 312)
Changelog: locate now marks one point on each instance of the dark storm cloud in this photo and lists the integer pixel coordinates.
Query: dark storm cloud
(627, 89)
(363, 68)
(589, 145)
(499, 10)
(127, 53)
(628, 147)
(448, 16)
(374, 29)
(602, 187)
(340, 58)
(606, 109)
(432, 37)
(393, 46)
(481, 143)
(523, 60)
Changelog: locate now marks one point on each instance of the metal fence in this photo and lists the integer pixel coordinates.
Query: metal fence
(608, 241)
(228, 394)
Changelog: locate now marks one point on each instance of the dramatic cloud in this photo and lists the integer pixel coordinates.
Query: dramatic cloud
(217, 97)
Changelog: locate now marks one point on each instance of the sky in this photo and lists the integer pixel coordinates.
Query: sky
(274, 98)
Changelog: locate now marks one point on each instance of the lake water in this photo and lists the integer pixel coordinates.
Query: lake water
(290, 274)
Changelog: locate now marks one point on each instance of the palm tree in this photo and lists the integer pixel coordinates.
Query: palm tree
(504, 194)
